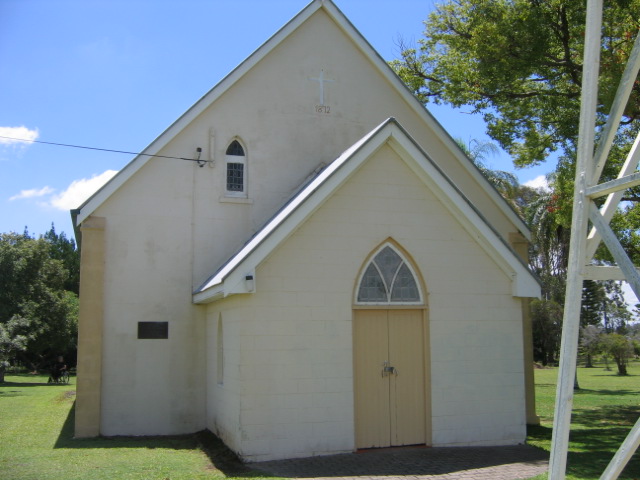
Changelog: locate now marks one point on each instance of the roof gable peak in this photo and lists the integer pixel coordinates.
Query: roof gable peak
(229, 279)
(336, 15)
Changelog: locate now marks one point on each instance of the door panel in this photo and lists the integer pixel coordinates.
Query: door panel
(371, 393)
(390, 407)
(406, 352)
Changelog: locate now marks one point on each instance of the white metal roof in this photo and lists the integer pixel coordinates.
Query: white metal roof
(229, 279)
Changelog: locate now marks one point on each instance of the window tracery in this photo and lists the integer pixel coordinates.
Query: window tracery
(388, 279)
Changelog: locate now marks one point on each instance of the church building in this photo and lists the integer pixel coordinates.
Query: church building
(331, 273)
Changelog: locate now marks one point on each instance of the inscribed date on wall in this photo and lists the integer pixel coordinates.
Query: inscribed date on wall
(326, 109)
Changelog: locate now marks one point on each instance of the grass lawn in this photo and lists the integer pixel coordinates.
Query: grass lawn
(604, 410)
(36, 443)
(36, 435)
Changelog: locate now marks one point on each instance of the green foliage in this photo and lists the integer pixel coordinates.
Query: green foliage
(615, 311)
(64, 249)
(549, 248)
(620, 348)
(626, 218)
(519, 63)
(12, 341)
(593, 300)
(590, 343)
(625, 223)
(548, 216)
(546, 320)
(33, 281)
(505, 182)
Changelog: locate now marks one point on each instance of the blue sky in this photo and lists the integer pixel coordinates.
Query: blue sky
(115, 74)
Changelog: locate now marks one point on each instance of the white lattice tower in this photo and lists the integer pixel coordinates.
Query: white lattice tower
(589, 166)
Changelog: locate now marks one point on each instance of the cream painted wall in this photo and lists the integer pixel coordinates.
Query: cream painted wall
(168, 230)
(272, 109)
(223, 388)
(296, 388)
(151, 387)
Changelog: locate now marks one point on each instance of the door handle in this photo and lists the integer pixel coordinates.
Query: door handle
(388, 370)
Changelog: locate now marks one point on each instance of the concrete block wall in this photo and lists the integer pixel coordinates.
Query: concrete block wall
(151, 387)
(295, 336)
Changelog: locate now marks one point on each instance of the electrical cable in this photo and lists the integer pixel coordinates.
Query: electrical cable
(198, 160)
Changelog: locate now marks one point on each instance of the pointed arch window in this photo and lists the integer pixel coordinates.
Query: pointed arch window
(236, 161)
(388, 279)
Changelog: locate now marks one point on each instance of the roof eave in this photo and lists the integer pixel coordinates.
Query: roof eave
(93, 202)
(336, 14)
(525, 284)
(310, 198)
(213, 294)
(322, 185)
(423, 112)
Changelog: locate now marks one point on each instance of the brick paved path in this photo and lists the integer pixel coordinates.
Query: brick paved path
(461, 463)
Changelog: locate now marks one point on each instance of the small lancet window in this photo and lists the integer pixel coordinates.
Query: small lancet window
(236, 169)
(388, 279)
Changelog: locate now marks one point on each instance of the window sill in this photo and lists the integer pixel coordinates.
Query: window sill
(242, 200)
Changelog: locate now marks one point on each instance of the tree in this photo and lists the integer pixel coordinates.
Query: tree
(11, 341)
(519, 64)
(546, 321)
(590, 342)
(620, 348)
(64, 249)
(549, 247)
(505, 182)
(32, 288)
(594, 301)
(616, 314)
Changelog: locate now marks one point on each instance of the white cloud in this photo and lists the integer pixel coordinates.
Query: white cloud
(17, 135)
(80, 190)
(34, 192)
(539, 182)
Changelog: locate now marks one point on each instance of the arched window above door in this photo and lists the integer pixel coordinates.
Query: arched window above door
(388, 279)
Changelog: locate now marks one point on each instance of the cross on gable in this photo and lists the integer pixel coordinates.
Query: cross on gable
(321, 80)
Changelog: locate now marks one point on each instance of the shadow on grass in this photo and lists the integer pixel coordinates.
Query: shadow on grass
(591, 449)
(31, 380)
(24, 385)
(414, 461)
(14, 389)
(609, 417)
(617, 393)
(220, 456)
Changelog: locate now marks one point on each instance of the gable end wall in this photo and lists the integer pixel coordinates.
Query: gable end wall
(294, 350)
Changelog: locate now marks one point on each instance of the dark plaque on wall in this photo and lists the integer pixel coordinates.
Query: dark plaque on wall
(153, 330)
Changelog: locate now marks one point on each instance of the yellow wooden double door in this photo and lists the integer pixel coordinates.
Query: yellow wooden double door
(390, 378)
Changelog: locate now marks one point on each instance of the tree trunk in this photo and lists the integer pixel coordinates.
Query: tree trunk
(1, 374)
(622, 368)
